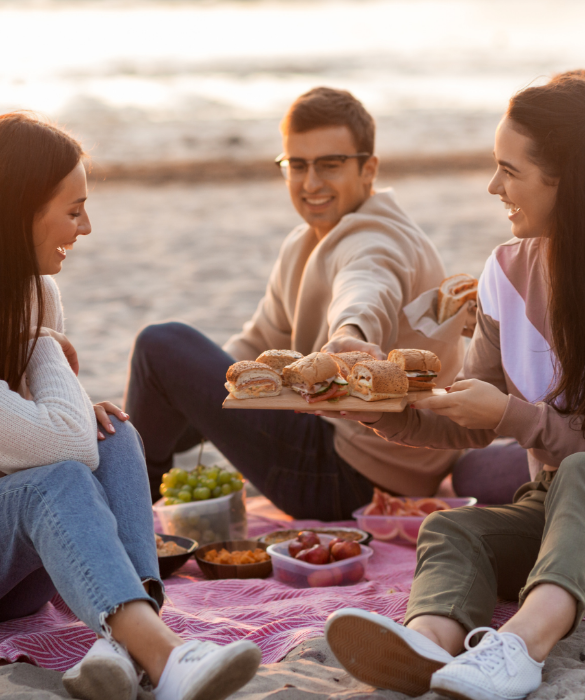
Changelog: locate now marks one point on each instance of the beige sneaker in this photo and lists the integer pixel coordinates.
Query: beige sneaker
(382, 653)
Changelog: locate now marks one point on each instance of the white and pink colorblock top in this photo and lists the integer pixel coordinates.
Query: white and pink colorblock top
(511, 349)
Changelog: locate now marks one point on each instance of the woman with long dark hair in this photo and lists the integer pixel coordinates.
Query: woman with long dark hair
(524, 378)
(75, 512)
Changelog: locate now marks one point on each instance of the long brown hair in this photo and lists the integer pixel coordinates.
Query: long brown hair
(34, 158)
(553, 116)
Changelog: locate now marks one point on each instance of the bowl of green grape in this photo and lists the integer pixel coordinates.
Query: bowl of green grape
(207, 504)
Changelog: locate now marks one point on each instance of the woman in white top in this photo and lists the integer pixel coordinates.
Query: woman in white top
(74, 511)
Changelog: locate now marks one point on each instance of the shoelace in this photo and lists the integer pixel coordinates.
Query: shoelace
(488, 654)
(196, 654)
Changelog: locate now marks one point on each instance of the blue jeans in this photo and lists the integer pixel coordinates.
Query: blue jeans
(174, 397)
(86, 535)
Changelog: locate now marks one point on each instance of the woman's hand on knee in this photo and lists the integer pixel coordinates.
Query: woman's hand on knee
(103, 410)
(470, 403)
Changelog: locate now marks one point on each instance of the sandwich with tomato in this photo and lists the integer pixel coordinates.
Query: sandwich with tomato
(316, 378)
(421, 367)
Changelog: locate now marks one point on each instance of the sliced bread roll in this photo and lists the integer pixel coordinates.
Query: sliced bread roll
(279, 359)
(252, 380)
(453, 293)
(346, 360)
(421, 367)
(377, 380)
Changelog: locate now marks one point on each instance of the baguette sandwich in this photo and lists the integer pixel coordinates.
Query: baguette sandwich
(346, 360)
(315, 377)
(252, 380)
(279, 359)
(421, 367)
(376, 380)
(453, 293)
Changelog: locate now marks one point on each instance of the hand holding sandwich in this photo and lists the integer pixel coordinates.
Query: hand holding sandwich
(470, 403)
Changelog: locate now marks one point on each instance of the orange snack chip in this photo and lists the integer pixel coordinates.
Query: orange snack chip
(237, 558)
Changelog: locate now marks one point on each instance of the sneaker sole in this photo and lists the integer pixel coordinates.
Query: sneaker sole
(100, 679)
(226, 678)
(378, 657)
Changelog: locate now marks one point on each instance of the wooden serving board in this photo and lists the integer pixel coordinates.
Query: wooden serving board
(289, 400)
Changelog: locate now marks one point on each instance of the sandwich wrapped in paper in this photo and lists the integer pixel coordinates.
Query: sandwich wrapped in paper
(252, 380)
(279, 359)
(457, 310)
(453, 293)
(421, 367)
(377, 380)
(346, 360)
(315, 377)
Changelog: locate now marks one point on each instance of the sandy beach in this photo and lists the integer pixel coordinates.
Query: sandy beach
(202, 254)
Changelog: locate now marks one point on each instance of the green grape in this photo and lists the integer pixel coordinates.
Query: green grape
(213, 473)
(182, 476)
(185, 496)
(224, 478)
(239, 475)
(216, 493)
(201, 494)
(169, 480)
(169, 501)
(162, 489)
(237, 485)
(192, 480)
(171, 493)
(226, 489)
(209, 483)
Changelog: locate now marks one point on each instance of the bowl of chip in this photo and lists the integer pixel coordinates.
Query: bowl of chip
(234, 559)
(173, 552)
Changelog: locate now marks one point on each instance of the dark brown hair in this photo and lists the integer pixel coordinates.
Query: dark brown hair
(34, 158)
(553, 116)
(322, 107)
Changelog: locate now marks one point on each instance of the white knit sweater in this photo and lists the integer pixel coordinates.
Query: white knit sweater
(56, 423)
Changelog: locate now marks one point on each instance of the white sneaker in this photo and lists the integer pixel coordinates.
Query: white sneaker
(106, 671)
(205, 671)
(498, 668)
(382, 653)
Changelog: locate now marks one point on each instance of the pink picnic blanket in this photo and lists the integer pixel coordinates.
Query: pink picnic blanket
(271, 614)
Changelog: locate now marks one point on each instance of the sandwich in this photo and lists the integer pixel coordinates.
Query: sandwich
(453, 293)
(315, 377)
(279, 359)
(421, 367)
(252, 380)
(377, 380)
(346, 360)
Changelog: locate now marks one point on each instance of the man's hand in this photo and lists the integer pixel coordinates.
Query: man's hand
(101, 413)
(470, 403)
(68, 349)
(350, 338)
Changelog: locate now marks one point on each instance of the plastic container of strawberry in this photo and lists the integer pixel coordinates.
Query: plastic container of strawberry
(300, 574)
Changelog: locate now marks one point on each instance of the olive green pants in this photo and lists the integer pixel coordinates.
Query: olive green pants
(468, 557)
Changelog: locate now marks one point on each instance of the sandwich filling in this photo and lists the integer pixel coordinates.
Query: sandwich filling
(331, 388)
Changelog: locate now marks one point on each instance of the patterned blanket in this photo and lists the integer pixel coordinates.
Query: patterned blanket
(271, 614)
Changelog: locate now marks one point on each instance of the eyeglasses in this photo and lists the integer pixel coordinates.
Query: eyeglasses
(326, 167)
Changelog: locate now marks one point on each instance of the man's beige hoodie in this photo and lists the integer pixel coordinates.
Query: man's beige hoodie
(363, 272)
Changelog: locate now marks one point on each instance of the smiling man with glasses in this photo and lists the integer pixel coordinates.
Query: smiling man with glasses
(340, 283)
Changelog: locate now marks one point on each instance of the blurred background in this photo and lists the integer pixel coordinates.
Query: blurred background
(178, 104)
